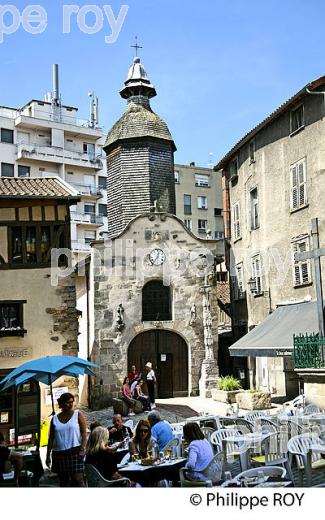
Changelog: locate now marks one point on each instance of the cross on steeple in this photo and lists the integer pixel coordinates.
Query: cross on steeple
(315, 254)
(136, 46)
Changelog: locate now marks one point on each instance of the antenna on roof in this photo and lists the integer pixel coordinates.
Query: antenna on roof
(94, 110)
(210, 163)
(55, 98)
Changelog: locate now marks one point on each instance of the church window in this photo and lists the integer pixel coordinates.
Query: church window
(301, 269)
(187, 204)
(156, 302)
(298, 182)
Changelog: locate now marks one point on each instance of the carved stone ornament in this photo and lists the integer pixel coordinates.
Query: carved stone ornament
(119, 318)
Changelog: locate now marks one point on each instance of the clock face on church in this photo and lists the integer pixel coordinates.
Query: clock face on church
(157, 257)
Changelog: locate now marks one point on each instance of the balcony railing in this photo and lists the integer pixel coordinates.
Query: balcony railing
(87, 189)
(309, 351)
(58, 155)
(87, 218)
(79, 245)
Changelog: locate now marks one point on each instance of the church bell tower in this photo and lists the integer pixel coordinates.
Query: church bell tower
(140, 156)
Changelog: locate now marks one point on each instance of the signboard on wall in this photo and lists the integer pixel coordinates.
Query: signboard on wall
(57, 392)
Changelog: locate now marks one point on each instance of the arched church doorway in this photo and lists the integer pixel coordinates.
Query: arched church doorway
(168, 354)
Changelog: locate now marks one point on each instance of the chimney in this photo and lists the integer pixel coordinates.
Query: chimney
(56, 94)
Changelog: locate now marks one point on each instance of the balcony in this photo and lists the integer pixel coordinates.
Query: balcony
(89, 190)
(309, 351)
(80, 246)
(57, 155)
(70, 124)
(87, 218)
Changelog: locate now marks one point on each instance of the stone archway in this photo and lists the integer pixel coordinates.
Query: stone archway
(168, 353)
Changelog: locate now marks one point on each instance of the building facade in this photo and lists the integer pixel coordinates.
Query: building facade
(37, 317)
(46, 138)
(199, 200)
(273, 178)
(153, 282)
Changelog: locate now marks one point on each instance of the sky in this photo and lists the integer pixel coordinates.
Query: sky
(219, 67)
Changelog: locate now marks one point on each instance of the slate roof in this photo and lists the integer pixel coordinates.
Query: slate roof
(138, 121)
(36, 187)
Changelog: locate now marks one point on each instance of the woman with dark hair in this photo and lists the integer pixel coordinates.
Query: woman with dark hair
(126, 395)
(67, 443)
(140, 396)
(200, 451)
(142, 443)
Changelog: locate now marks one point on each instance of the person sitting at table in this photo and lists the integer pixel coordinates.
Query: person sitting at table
(100, 455)
(140, 396)
(127, 396)
(142, 443)
(160, 429)
(200, 451)
(9, 459)
(118, 432)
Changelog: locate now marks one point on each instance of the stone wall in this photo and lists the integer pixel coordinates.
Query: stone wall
(123, 284)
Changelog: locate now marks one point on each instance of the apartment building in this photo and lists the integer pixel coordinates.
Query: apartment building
(274, 182)
(199, 200)
(46, 138)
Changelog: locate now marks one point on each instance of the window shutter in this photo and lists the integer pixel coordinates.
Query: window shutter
(294, 188)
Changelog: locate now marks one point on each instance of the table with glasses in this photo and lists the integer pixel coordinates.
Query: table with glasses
(147, 476)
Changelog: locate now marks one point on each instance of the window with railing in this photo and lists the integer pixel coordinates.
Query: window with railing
(202, 225)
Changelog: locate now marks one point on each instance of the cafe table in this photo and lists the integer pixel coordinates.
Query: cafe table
(245, 443)
(149, 475)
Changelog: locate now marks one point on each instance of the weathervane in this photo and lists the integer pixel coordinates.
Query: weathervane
(136, 46)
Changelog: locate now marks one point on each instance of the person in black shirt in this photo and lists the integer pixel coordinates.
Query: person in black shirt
(119, 432)
(99, 455)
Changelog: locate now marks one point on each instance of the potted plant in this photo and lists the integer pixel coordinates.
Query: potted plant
(227, 389)
(254, 399)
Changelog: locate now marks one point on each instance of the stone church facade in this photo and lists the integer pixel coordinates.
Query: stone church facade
(152, 282)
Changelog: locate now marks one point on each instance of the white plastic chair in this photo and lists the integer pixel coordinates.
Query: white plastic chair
(254, 416)
(311, 408)
(95, 479)
(212, 473)
(268, 471)
(306, 462)
(230, 449)
(129, 424)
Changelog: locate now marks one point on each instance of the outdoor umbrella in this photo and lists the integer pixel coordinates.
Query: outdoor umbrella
(46, 370)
